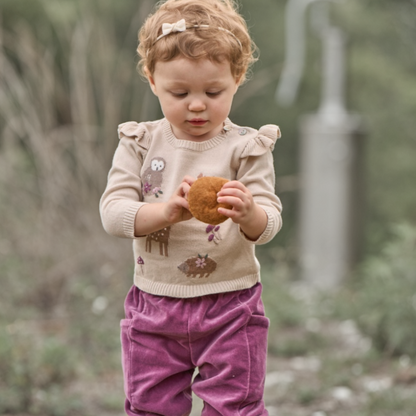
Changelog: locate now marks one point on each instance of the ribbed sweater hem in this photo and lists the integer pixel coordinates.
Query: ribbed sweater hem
(195, 290)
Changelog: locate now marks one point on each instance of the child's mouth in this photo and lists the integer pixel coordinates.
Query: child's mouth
(197, 122)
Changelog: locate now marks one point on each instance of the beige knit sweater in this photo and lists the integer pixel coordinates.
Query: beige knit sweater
(190, 258)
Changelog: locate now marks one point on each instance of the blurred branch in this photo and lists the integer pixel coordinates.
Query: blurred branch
(61, 100)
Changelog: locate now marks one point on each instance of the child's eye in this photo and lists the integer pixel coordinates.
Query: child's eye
(179, 94)
(213, 93)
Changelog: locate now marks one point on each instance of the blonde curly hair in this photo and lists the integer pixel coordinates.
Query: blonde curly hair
(212, 42)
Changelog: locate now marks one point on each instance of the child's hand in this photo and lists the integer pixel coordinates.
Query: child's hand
(177, 208)
(245, 212)
(239, 197)
(154, 217)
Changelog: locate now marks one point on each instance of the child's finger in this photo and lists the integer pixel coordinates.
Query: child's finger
(183, 190)
(227, 212)
(186, 184)
(233, 184)
(236, 202)
(234, 188)
(238, 199)
(234, 213)
(189, 180)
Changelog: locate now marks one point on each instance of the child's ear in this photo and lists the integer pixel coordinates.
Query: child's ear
(238, 83)
(151, 79)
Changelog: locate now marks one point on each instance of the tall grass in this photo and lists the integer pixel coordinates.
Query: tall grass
(60, 103)
(61, 98)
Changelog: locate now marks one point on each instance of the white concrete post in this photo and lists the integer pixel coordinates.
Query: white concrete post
(330, 199)
(330, 177)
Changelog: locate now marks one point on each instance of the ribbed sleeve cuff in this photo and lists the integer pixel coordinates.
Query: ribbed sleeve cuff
(274, 224)
(129, 219)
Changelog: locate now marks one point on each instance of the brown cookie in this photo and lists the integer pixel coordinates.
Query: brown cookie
(202, 199)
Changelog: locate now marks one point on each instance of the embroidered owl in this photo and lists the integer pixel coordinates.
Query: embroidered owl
(153, 177)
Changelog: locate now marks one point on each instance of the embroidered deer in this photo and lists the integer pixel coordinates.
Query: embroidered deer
(161, 237)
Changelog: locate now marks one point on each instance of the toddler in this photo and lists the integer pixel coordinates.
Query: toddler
(196, 299)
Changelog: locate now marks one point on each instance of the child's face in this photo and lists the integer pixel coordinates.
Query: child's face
(195, 95)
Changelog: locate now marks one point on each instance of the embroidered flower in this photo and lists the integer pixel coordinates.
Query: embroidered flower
(200, 262)
(147, 187)
(156, 191)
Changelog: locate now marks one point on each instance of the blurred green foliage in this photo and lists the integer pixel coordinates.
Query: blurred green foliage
(382, 297)
(33, 371)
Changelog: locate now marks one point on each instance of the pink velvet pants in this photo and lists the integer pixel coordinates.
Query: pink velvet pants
(164, 339)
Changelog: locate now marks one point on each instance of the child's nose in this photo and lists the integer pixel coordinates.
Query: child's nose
(196, 105)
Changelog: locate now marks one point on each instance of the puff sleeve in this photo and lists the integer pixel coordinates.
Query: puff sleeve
(256, 172)
(122, 197)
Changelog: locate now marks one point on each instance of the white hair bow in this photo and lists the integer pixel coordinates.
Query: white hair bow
(179, 26)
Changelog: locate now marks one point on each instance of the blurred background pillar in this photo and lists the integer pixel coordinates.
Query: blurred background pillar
(331, 177)
(331, 148)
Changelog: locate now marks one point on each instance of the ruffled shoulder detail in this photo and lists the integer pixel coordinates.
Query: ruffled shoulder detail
(263, 142)
(136, 131)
